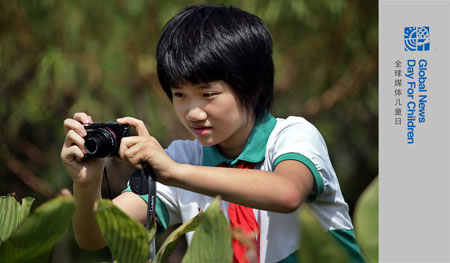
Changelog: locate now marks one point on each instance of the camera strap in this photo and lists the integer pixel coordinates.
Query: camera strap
(143, 182)
(105, 175)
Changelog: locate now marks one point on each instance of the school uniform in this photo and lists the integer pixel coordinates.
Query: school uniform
(270, 142)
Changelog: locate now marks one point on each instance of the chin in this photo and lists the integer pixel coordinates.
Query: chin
(206, 142)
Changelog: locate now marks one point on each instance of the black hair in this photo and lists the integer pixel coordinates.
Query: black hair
(205, 43)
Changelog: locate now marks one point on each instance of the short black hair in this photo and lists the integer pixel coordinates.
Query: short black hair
(205, 43)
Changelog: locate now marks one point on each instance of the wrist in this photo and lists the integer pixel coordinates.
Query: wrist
(87, 192)
(88, 185)
(176, 174)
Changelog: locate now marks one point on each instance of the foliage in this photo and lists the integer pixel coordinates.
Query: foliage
(98, 57)
(316, 244)
(126, 238)
(171, 241)
(129, 242)
(35, 236)
(366, 221)
(212, 238)
(60, 57)
(12, 214)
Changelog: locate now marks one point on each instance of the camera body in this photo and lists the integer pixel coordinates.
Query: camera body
(103, 138)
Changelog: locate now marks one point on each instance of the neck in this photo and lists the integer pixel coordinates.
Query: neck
(232, 149)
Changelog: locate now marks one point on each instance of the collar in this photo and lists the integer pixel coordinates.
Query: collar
(254, 149)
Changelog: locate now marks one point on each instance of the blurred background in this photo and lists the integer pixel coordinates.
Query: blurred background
(62, 57)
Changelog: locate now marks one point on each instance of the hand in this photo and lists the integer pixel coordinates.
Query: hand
(83, 172)
(144, 148)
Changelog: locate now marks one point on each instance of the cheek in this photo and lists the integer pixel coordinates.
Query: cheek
(235, 111)
(229, 106)
(226, 116)
(179, 111)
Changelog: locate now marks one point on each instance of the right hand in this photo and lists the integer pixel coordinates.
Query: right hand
(83, 172)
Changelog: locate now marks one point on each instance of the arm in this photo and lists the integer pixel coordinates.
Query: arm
(282, 190)
(87, 232)
(86, 176)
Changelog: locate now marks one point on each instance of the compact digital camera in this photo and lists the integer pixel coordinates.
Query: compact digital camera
(103, 138)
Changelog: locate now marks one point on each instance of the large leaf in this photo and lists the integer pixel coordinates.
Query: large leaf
(34, 239)
(126, 238)
(172, 240)
(212, 238)
(316, 244)
(366, 221)
(12, 213)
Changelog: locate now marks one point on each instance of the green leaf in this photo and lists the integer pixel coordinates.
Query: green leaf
(127, 239)
(12, 213)
(212, 238)
(316, 244)
(366, 221)
(27, 202)
(34, 239)
(172, 240)
(152, 231)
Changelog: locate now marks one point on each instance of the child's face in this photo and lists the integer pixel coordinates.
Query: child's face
(213, 114)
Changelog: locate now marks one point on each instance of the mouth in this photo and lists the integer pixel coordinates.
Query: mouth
(201, 130)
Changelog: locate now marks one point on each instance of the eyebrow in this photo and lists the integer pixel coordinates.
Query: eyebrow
(205, 86)
(200, 86)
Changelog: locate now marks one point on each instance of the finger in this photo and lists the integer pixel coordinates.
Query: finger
(136, 163)
(71, 154)
(138, 124)
(82, 117)
(73, 138)
(126, 143)
(129, 153)
(134, 157)
(71, 124)
(131, 140)
(138, 153)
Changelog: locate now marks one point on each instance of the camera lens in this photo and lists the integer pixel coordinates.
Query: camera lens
(101, 143)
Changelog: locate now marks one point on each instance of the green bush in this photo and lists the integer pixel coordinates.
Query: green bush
(31, 238)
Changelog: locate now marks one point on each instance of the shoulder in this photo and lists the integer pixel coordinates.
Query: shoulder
(295, 128)
(185, 151)
(296, 138)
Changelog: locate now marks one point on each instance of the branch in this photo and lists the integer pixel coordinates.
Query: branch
(29, 178)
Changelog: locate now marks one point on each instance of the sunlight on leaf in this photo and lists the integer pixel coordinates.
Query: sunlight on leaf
(170, 243)
(127, 239)
(212, 238)
(34, 239)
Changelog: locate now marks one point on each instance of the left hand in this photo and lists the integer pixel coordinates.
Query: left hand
(144, 148)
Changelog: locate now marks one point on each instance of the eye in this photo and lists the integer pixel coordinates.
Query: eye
(210, 94)
(178, 94)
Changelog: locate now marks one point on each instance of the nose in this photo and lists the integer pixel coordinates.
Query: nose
(196, 113)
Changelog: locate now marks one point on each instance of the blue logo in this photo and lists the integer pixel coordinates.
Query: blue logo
(417, 38)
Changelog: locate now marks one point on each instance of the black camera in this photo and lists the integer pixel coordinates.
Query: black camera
(103, 139)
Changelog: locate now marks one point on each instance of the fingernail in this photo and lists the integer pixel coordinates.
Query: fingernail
(90, 119)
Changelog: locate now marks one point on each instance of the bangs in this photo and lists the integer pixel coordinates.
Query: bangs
(193, 56)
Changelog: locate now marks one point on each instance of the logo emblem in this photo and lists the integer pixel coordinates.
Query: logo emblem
(417, 38)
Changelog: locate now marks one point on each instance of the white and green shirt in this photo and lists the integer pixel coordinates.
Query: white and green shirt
(270, 142)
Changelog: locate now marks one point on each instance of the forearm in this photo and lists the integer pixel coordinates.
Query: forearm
(252, 188)
(87, 232)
